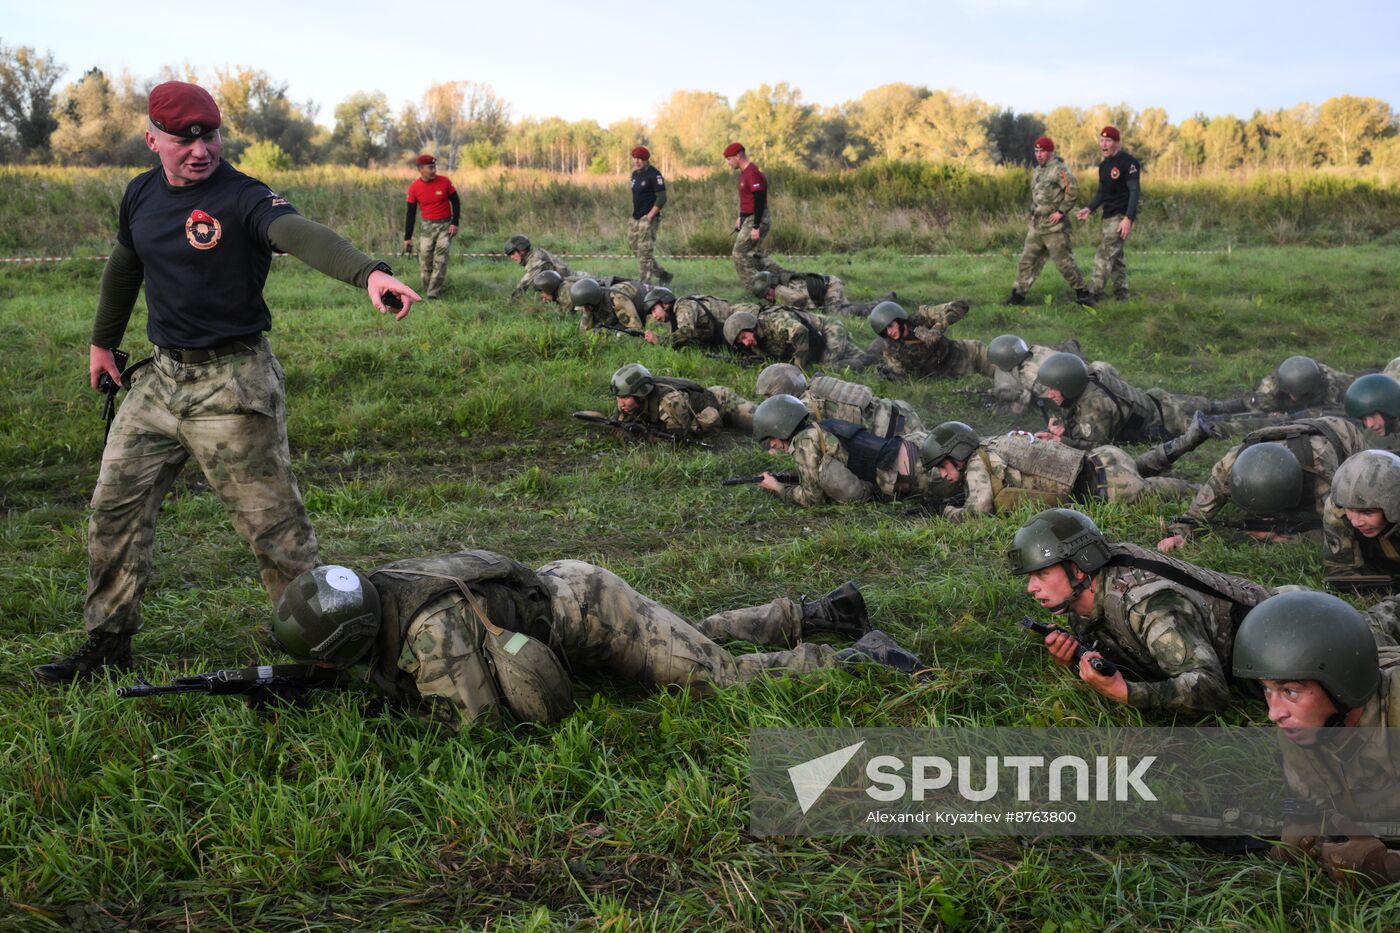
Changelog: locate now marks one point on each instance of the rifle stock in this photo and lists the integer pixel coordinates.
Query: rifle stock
(787, 477)
(638, 427)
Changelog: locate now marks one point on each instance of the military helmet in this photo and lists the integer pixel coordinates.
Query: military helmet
(517, 244)
(1266, 479)
(737, 323)
(1299, 376)
(533, 683)
(547, 281)
(1306, 635)
(329, 613)
(1054, 536)
(1007, 352)
(1369, 480)
(760, 283)
(632, 379)
(951, 439)
(781, 416)
(781, 379)
(1373, 393)
(657, 295)
(884, 314)
(586, 292)
(1064, 372)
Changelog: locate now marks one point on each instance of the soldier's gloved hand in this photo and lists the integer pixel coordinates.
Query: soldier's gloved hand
(708, 419)
(1350, 859)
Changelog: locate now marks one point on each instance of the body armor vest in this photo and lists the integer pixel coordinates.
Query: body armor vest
(696, 396)
(1142, 416)
(866, 451)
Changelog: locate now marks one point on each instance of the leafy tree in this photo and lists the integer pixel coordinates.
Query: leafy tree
(949, 127)
(1076, 143)
(26, 100)
(1014, 135)
(1224, 144)
(880, 115)
(1153, 137)
(364, 129)
(255, 108)
(452, 114)
(774, 125)
(691, 128)
(100, 123)
(263, 157)
(1349, 126)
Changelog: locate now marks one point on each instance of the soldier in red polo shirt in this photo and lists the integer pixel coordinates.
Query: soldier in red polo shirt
(753, 222)
(442, 208)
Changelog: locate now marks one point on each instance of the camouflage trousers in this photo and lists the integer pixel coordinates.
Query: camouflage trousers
(641, 238)
(1109, 266)
(1053, 243)
(945, 358)
(749, 258)
(229, 414)
(1121, 478)
(603, 625)
(735, 410)
(433, 245)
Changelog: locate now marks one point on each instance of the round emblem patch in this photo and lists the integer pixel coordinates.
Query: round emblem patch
(1113, 172)
(202, 230)
(342, 578)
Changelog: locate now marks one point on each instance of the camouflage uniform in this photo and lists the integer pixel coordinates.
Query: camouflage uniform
(561, 300)
(434, 243)
(1012, 469)
(1053, 189)
(595, 622)
(748, 254)
(641, 238)
(673, 409)
(1172, 643)
(783, 336)
(1015, 389)
(1346, 553)
(926, 352)
(620, 311)
(824, 472)
(1267, 396)
(229, 414)
(538, 260)
(829, 397)
(1110, 410)
(1392, 369)
(1319, 463)
(1109, 265)
(793, 290)
(699, 320)
(1384, 620)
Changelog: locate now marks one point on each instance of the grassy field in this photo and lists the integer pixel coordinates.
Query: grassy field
(450, 430)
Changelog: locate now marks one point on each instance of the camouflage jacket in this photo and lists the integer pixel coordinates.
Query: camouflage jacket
(1355, 775)
(1268, 397)
(699, 321)
(1053, 188)
(676, 411)
(1384, 619)
(784, 337)
(1317, 476)
(829, 397)
(1172, 647)
(822, 473)
(539, 260)
(618, 310)
(794, 291)
(993, 482)
(1345, 552)
(1110, 410)
(926, 351)
(1015, 389)
(1392, 369)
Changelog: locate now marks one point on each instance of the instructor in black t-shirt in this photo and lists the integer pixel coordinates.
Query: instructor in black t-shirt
(1119, 174)
(199, 235)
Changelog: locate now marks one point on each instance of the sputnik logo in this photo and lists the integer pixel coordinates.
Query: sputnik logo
(811, 778)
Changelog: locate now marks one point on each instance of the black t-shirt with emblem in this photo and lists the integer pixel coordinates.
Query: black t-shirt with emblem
(1115, 172)
(205, 253)
(646, 182)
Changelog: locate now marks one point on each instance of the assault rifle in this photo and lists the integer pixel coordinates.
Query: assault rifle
(1361, 583)
(1293, 525)
(619, 329)
(1101, 664)
(261, 685)
(786, 477)
(933, 505)
(735, 358)
(639, 428)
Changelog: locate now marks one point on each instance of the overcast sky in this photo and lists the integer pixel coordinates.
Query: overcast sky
(609, 60)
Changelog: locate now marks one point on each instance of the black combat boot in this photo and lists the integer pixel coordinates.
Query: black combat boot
(1083, 296)
(665, 278)
(1234, 406)
(1016, 298)
(1120, 294)
(840, 612)
(102, 650)
(1160, 458)
(878, 648)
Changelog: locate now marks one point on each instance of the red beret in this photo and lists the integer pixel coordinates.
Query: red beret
(1111, 132)
(183, 109)
(426, 159)
(733, 149)
(641, 152)
(1046, 143)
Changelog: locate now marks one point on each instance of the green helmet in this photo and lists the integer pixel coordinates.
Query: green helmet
(737, 323)
(884, 314)
(760, 283)
(1064, 372)
(1054, 536)
(781, 416)
(1374, 393)
(781, 379)
(1369, 480)
(547, 281)
(1306, 635)
(517, 244)
(951, 439)
(1266, 479)
(1007, 352)
(1299, 376)
(329, 613)
(632, 379)
(658, 295)
(586, 293)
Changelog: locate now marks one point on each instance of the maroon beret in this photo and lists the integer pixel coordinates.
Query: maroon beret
(1046, 143)
(641, 152)
(1111, 132)
(426, 159)
(733, 149)
(183, 109)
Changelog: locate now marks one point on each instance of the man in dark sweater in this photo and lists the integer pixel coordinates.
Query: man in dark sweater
(648, 198)
(1118, 192)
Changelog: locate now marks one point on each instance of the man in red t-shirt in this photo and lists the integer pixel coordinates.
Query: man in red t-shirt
(441, 211)
(753, 222)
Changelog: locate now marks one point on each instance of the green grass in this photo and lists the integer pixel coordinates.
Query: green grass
(451, 429)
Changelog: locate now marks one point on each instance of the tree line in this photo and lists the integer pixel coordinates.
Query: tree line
(98, 119)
